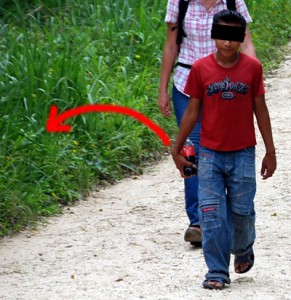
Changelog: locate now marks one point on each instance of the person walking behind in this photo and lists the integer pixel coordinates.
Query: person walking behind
(197, 44)
(229, 85)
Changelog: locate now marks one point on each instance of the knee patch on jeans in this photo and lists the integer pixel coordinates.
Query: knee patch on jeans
(244, 221)
(242, 209)
(209, 217)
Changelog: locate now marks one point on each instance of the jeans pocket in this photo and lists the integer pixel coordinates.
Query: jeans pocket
(205, 165)
(249, 172)
(250, 151)
(209, 217)
(246, 167)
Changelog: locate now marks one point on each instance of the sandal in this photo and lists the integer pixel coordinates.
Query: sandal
(211, 284)
(247, 258)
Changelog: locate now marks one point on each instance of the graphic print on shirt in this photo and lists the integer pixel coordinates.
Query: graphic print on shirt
(227, 88)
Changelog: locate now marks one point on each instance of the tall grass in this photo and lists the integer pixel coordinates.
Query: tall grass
(271, 29)
(71, 53)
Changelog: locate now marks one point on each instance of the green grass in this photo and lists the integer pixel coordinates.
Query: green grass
(72, 53)
(271, 29)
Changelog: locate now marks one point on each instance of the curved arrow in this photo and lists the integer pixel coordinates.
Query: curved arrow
(55, 121)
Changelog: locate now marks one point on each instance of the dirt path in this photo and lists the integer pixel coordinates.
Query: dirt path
(126, 241)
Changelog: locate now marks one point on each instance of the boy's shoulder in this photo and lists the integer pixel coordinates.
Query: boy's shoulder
(250, 59)
(204, 60)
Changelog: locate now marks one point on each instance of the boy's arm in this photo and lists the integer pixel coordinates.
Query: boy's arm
(269, 163)
(188, 122)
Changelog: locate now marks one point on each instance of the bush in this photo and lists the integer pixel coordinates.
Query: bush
(271, 29)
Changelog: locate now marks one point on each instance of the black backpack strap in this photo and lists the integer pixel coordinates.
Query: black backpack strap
(183, 6)
(183, 65)
(231, 4)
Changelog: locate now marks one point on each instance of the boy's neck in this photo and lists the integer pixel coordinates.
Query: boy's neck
(226, 62)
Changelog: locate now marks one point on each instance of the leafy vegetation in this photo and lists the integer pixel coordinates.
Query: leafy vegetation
(271, 29)
(71, 53)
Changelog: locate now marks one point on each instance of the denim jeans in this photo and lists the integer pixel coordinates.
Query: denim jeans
(180, 102)
(227, 187)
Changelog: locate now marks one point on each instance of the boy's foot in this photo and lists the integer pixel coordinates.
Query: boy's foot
(243, 264)
(213, 285)
(193, 234)
(241, 268)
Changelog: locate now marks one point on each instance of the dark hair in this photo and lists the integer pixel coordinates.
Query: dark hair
(229, 16)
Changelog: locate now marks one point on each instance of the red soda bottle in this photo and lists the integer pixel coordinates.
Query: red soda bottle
(188, 151)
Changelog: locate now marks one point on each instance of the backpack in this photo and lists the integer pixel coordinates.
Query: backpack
(183, 6)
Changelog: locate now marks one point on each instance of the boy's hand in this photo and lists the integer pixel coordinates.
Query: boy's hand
(269, 165)
(181, 162)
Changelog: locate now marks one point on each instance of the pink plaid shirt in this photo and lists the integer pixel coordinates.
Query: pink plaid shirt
(197, 26)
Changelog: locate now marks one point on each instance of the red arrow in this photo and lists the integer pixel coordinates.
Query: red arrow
(55, 121)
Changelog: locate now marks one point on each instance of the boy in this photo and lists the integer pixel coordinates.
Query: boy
(229, 87)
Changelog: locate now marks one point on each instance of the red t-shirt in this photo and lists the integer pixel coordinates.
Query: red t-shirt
(227, 94)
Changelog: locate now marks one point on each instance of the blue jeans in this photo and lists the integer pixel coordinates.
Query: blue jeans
(180, 102)
(227, 187)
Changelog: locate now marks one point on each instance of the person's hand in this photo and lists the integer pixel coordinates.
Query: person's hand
(269, 165)
(180, 162)
(165, 104)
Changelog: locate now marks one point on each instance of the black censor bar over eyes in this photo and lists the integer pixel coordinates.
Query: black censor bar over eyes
(228, 33)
